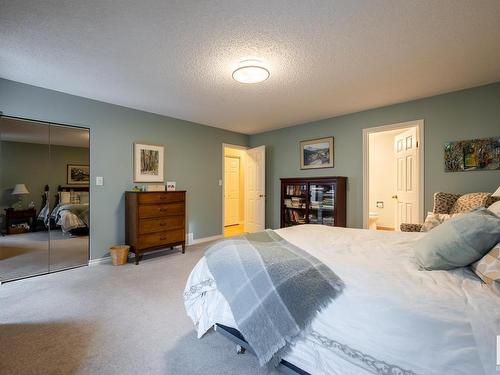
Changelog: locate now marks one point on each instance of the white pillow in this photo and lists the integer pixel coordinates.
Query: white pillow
(84, 197)
(433, 220)
(495, 208)
(64, 197)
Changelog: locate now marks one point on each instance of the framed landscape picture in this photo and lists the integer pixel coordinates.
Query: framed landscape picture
(316, 153)
(148, 163)
(77, 174)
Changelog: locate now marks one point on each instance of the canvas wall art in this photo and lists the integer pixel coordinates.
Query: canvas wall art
(316, 153)
(77, 174)
(472, 155)
(148, 163)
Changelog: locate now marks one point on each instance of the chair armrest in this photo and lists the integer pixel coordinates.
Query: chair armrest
(410, 227)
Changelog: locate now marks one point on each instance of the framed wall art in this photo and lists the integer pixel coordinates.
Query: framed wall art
(316, 153)
(472, 155)
(148, 163)
(77, 174)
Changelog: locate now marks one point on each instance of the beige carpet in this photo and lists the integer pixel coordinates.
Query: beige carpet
(111, 320)
(28, 254)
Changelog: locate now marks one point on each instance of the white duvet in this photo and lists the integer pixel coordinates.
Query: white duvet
(392, 318)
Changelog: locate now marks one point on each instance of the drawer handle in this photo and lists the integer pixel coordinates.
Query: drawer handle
(163, 238)
(162, 224)
(162, 209)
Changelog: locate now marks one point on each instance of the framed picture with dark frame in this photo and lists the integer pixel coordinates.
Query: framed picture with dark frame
(77, 174)
(316, 153)
(148, 163)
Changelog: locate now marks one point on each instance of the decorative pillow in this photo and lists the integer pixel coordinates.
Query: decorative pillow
(495, 208)
(460, 241)
(74, 198)
(488, 268)
(469, 202)
(433, 220)
(64, 197)
(444, 201)
(84, 197)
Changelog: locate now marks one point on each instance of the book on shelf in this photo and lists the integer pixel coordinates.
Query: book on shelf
(295, 202)
(321, 207)
(295, 217)
(296, 189)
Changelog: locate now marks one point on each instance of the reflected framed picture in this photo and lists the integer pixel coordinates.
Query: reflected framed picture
(148, 163)
(77, 174)
(316, 153)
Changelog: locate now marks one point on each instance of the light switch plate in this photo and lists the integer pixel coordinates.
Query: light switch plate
(380, 204)
(99, 181)
(220, 182)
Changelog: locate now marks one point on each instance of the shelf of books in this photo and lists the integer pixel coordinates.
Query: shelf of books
(295, 204)
(319, 200)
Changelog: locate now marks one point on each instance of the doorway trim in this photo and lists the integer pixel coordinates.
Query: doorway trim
(223, 185)
(419, 124)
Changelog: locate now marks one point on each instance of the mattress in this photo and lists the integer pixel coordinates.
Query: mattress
(391, 318)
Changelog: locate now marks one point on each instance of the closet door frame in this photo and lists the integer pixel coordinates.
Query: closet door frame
(53, 123)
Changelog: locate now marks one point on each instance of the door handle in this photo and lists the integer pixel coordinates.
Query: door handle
(394, 197)
(261, 195)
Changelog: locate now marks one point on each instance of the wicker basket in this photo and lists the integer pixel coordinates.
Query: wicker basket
(119, 254)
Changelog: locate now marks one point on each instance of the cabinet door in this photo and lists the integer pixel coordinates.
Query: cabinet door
(24, 167)
(322, 203)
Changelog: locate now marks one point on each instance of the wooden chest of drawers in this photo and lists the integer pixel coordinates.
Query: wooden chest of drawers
(155, 220)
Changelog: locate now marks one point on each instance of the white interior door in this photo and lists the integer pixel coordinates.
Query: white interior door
(406, 184)
(255, 189)
(231, 190)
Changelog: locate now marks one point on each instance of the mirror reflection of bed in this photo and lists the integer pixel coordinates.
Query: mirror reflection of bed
(48, 164)
(69, 232)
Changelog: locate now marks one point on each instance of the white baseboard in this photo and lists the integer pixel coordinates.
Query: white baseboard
(107, 259)
(206, 239)
(95, 262)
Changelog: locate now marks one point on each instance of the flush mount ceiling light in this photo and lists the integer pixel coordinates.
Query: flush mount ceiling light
(251, 71)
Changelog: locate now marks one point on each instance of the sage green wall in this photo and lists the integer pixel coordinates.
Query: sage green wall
(472, 113)
(193, 156)
(29, 163)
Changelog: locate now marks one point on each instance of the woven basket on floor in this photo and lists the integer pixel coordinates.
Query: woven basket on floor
(119, 254)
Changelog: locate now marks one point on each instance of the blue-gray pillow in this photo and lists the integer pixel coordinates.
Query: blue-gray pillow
(459, 241)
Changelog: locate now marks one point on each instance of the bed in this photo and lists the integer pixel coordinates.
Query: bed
(70, 212)
(391, 318)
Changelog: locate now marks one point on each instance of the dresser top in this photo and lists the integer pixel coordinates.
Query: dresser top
(148, 192)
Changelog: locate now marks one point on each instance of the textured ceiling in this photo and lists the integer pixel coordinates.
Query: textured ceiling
(325, 57)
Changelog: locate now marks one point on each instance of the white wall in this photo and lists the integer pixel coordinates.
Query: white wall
(381, 176)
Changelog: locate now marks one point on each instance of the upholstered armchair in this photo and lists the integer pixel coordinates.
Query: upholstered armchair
(449, 203)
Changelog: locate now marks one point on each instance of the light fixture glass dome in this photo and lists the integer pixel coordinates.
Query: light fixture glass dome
(251, 71)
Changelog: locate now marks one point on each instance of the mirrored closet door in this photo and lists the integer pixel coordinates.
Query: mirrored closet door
(44, 197)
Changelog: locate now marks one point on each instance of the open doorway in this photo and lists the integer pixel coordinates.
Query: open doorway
(243, 189)
(234, 190)
(393, 175)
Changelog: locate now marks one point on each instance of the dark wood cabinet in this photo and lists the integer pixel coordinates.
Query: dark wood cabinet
(314, 200)
(13, 216)
(155, 220)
